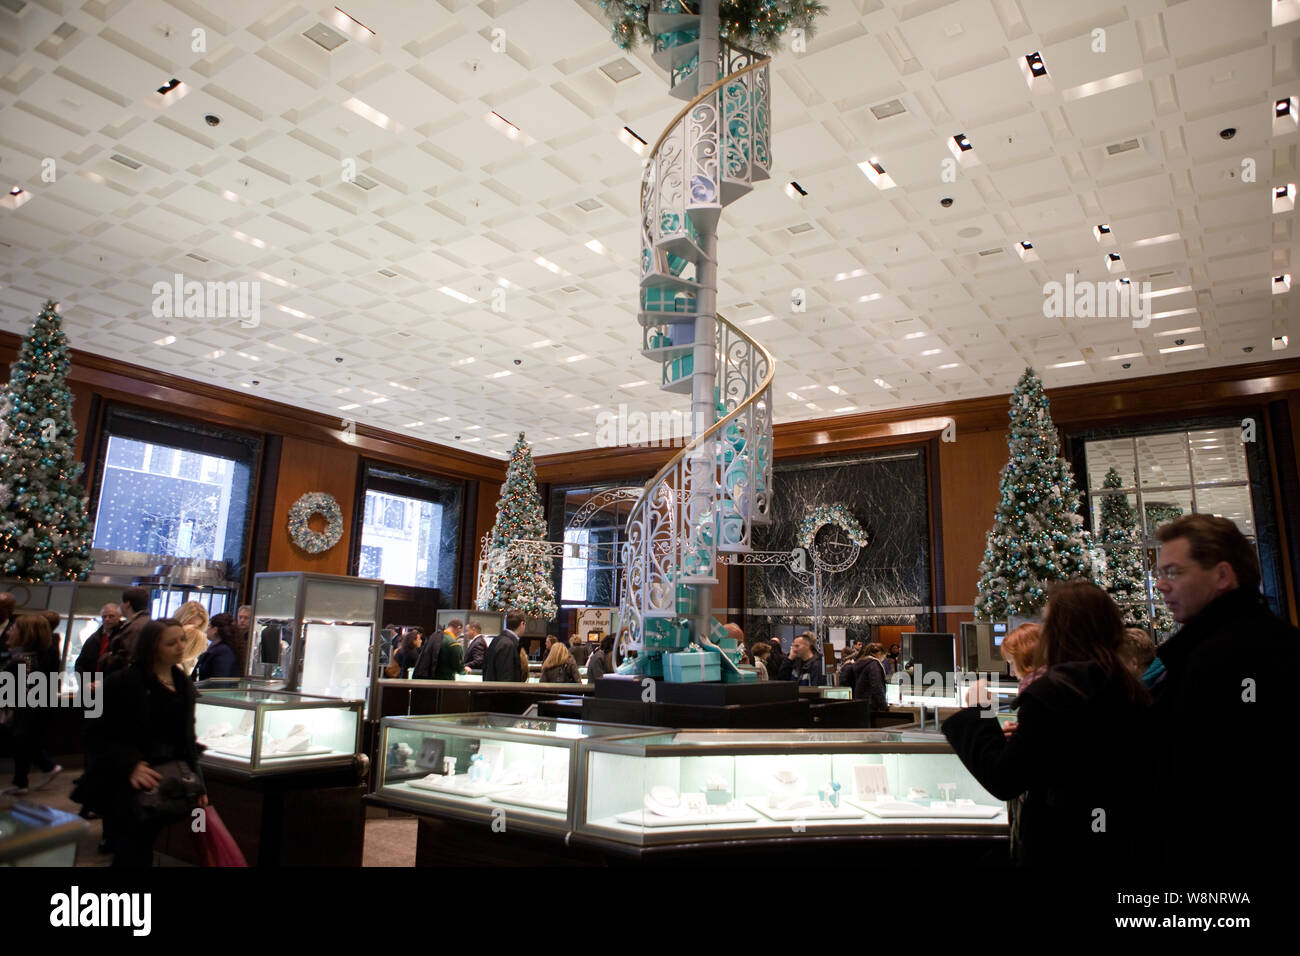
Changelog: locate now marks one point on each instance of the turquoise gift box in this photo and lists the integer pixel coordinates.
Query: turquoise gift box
(666, 634)
(678, 368)
(691, 667)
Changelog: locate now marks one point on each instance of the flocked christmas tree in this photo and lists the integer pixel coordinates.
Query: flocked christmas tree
(1121, 539)
(518, 576)
(1037, 535)
(756, 24)
(44, 532)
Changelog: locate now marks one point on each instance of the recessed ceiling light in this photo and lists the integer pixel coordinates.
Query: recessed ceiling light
(170, 85)
(876, 173)
(914, 335)
(631, 140)
(1034, 71)
(932, 351)
(847, 408)
(882, 383)
(1067, 364)
(870, 298)
(1283, 198)
(1026, 251)
(16, 191)
(458, 296)
(1280, 342)
(1182, 348)
(950, 365)
(165, 340)
(507, 129)
(794, 190)
(550, 266)
(349, 407)
(855, 274)
(1282, 284)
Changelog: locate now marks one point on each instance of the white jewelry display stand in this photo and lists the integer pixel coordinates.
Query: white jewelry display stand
(706, 816)
(461, 785)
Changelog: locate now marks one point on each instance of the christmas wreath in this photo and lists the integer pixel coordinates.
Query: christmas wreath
(303, 510)
(755, 24)
(831, 514)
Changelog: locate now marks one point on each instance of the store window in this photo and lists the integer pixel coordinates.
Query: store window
(1164, 476)
(590, 572)
(410, 529)
(174, 489)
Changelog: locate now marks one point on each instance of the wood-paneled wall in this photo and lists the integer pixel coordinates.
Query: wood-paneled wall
(314, 456)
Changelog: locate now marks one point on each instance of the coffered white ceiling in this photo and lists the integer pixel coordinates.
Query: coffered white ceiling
(932, 301)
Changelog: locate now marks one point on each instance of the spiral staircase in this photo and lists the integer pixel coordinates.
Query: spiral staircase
(705, 502)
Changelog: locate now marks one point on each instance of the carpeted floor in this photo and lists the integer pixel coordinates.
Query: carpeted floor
(390, 841)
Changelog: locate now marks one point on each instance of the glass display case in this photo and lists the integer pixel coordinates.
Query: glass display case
(678, 786)
(35, 835)
(318, 633)
(475, 765)
(263, 730)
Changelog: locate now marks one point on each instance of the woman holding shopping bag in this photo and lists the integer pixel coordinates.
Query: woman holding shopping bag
(142, 756)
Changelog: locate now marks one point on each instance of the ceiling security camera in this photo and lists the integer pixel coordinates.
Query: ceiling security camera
(945, 202)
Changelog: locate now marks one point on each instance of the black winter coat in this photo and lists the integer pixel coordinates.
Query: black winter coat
(1078, 756)
(1222, 709)
(88, 659)
(219, 660)
(869, 683)
(141, 720)
(501, 663)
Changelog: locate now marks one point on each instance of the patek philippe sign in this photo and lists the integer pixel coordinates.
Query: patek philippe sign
(593, 619)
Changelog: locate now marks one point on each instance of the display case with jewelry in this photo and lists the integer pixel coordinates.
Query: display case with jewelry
(723, 784)
(265, 731)
(316, 633)
(473, 766)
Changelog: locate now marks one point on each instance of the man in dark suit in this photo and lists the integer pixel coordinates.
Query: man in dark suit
(97, 645)
(501, 663)
(427, 663)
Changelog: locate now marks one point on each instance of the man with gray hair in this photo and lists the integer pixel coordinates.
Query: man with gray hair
(97, 645)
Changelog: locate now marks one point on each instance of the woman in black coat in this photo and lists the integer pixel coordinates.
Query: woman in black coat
(32, 647)
(221, 659)
(1078, 749)
(148, 720)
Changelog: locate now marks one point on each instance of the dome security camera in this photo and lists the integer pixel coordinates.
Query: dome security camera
(1128, 365)
(945, 202)
(519, 361)
(212, 119)
(1228, 132)
(1179, 341)
(1248, 348)
(339, 359)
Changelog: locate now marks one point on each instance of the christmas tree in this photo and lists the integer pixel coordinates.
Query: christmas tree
(1119, 535)
(518, 576)
(1037, 535)
(44, 532)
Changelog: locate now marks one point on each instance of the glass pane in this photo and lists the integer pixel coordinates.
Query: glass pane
(1165, 507)
(1218, 455)
(154, 511)
(1162, 460)
(1104, 455)
(400, 540)
(1098, 513)
(1231, 503)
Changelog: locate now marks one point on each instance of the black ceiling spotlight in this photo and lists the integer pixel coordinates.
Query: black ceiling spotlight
(519, 361)
(169, 86)
(1282, 107)
(1036, 66)
(338, 358)
(1248, 348)
(1128, 365)
(945, 202)
(212, 119)
(1228, 132)
(457, 437)
(1179, 341)
(256, 382)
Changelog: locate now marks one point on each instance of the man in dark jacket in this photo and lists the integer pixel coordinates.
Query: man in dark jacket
(804, 665)
(135, 612)
(431, 650)
(501, 663)
(1222, 701)
(475, 648)
(97, 645)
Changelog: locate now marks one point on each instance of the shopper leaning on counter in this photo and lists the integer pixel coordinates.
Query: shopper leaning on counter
(1080, 750)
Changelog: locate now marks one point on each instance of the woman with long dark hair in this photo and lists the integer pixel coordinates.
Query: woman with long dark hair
(148, 721)
(1078, 750)
(221, 659)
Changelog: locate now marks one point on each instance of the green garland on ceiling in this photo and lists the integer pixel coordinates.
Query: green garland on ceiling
(757, 25)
